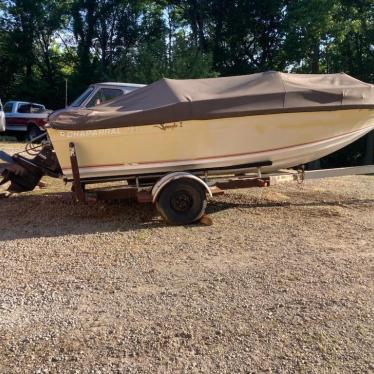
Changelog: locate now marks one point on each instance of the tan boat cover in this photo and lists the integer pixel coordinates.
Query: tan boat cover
(169, 100)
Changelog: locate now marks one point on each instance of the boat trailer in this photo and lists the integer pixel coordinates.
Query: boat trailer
(180, 197)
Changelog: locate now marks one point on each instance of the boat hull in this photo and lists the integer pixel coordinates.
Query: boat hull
(286, 140)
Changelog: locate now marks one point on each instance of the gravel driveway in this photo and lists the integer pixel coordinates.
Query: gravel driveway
(281, 282)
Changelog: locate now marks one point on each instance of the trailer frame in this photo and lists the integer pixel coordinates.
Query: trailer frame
(149, 188)
(214, 182)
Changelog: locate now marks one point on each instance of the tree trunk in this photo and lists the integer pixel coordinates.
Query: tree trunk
(369, 151)
(314, 64)
(315, 55)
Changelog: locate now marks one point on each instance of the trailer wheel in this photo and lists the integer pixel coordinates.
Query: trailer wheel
(182, 202)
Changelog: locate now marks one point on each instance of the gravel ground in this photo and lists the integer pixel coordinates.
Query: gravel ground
(281, 282)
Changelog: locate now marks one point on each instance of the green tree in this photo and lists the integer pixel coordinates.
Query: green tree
(244, 36)
(352, 46)
(84, 15)
(308, 24)
(31, 58)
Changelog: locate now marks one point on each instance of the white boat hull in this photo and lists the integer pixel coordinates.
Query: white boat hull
(285, 140)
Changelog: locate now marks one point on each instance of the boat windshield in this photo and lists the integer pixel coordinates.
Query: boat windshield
(78, 102)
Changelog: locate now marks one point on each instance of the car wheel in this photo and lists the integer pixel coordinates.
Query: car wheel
(33, 132)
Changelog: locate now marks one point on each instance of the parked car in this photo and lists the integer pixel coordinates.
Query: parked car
(99, 93)
(25, 119)
(2, 118)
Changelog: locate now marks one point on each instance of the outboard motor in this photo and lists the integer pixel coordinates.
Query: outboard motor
(24, 173)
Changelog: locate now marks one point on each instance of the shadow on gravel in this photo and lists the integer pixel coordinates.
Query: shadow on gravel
(217, 206)
(56, 214)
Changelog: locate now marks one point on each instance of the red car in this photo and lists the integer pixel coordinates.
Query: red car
(24, 119)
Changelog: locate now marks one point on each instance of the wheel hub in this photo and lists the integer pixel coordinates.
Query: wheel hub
(181, 201)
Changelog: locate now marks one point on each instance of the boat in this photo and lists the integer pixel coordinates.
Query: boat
(176, 142)
(274, 120)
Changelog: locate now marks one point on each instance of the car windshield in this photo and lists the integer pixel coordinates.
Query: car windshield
(78, 102)
(8, 107)
(103, 95)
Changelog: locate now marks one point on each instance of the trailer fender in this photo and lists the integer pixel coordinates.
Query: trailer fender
(172, 177)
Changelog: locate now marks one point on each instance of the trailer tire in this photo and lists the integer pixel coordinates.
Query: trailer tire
(182, 202)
